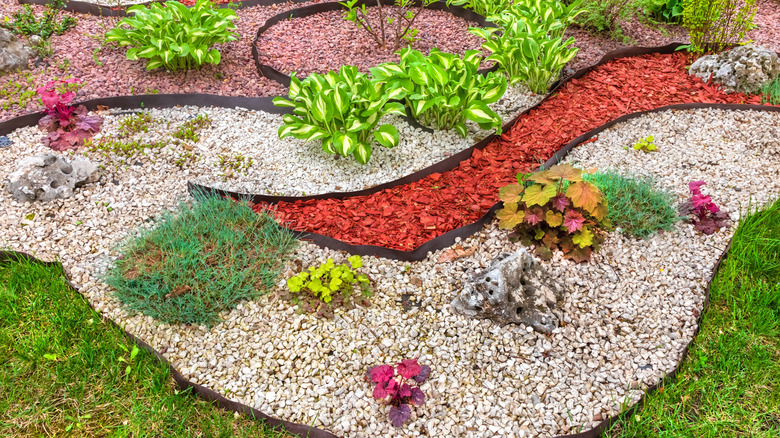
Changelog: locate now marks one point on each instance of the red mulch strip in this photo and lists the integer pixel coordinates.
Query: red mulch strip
(404, 217)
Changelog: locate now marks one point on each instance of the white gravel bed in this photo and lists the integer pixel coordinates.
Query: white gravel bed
(627, 314)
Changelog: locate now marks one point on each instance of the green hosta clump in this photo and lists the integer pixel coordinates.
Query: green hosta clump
(340, 109)
(485, 8)
(555, 209)
(330, 284)
(444, 90)
(529, 46)
(174, 36)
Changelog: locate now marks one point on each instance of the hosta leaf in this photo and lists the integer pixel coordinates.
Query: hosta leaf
(327, 145)
(362, 153)
(494, 93)
(282, 102)
(344, 144)
(394, 108)
(539, 194)
(419, 75)
(564, 171)
(511, 193)
(213, 56)
(583, 238)
(287, 130)
(462, 129)
(553, 219)
(584, 195)
(509, 216)
(321, 110)
(387, 136)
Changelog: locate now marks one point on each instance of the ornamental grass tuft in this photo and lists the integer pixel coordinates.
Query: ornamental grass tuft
(770, 92)
(634, 204)
(203, 260)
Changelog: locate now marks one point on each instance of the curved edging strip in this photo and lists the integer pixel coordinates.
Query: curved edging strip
(156, 101)
(452, 161)
(313, 432)
(448, 239)
(181, 382)
(284, 79)
(121, 11)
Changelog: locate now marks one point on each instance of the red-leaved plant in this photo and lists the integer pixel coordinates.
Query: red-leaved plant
(67, 126)
(707, 217)
(392, 386)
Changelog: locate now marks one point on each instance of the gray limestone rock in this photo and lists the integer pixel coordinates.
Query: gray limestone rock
(514, 289)
(743, 69)
(47, 176)
(13, 54)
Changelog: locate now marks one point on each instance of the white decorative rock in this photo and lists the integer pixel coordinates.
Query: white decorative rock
(47, 177)
(743, 69)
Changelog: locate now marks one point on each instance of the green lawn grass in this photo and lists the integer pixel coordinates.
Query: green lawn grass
(729, 385)
(65, 372)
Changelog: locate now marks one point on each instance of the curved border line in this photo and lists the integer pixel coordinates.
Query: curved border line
(121, 11)
(452, 161)
(305, 11)
(448, 239)
(313, 432)
(202, 391)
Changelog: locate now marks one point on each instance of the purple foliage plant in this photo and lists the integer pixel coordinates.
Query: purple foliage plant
(393, 386)
(67, 126)
(707, 217)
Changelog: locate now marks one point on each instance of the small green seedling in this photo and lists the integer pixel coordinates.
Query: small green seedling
(645, 145)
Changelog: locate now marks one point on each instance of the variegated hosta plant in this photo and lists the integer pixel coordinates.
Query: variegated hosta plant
(174, 36)
(529, 44)
(555, 209)
(340, 109)
(444, 90)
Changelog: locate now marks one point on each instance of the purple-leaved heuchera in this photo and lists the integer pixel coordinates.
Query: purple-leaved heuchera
(67, 126)
(707, 217)
(393, 386)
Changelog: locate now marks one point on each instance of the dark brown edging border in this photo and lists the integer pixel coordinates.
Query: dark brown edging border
(448, 239)
(313, 432)
(452, 161)
(182, 383)
(305, 11)
(121, 11)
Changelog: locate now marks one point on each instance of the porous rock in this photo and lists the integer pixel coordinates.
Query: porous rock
(46, 177)
(743, 69)
(13, 54)
(514, 289)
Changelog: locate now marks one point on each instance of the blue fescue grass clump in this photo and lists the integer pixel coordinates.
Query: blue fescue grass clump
(635, 205)
(205, 259)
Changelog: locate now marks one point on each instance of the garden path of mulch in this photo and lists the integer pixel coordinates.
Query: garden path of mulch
(406, 216)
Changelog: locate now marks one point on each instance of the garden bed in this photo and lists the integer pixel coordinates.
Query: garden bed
(422, 210)
(324, 41)
(628, 314)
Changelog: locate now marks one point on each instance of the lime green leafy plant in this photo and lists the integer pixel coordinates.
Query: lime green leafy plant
(645, 144)
(174, 36)
(444, 90)
(485, 8)
(340, 109)
(555, 209)
(330, 284)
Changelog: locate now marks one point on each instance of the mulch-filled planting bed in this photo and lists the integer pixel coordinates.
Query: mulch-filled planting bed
(404, 217)
(325, 41)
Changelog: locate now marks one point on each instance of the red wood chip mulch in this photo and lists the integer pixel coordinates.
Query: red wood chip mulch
(406, 216)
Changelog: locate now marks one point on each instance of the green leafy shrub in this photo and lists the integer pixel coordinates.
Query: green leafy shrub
(716, 24)
(174, 36)
(668, 11)
(528, 45)
(398, 28)
(555, 209)
(444, 90)
(634, 204)
(340, 109)
(330, 284)
(205, 259)
(25, 22)
(645, 144)
(604, 17)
